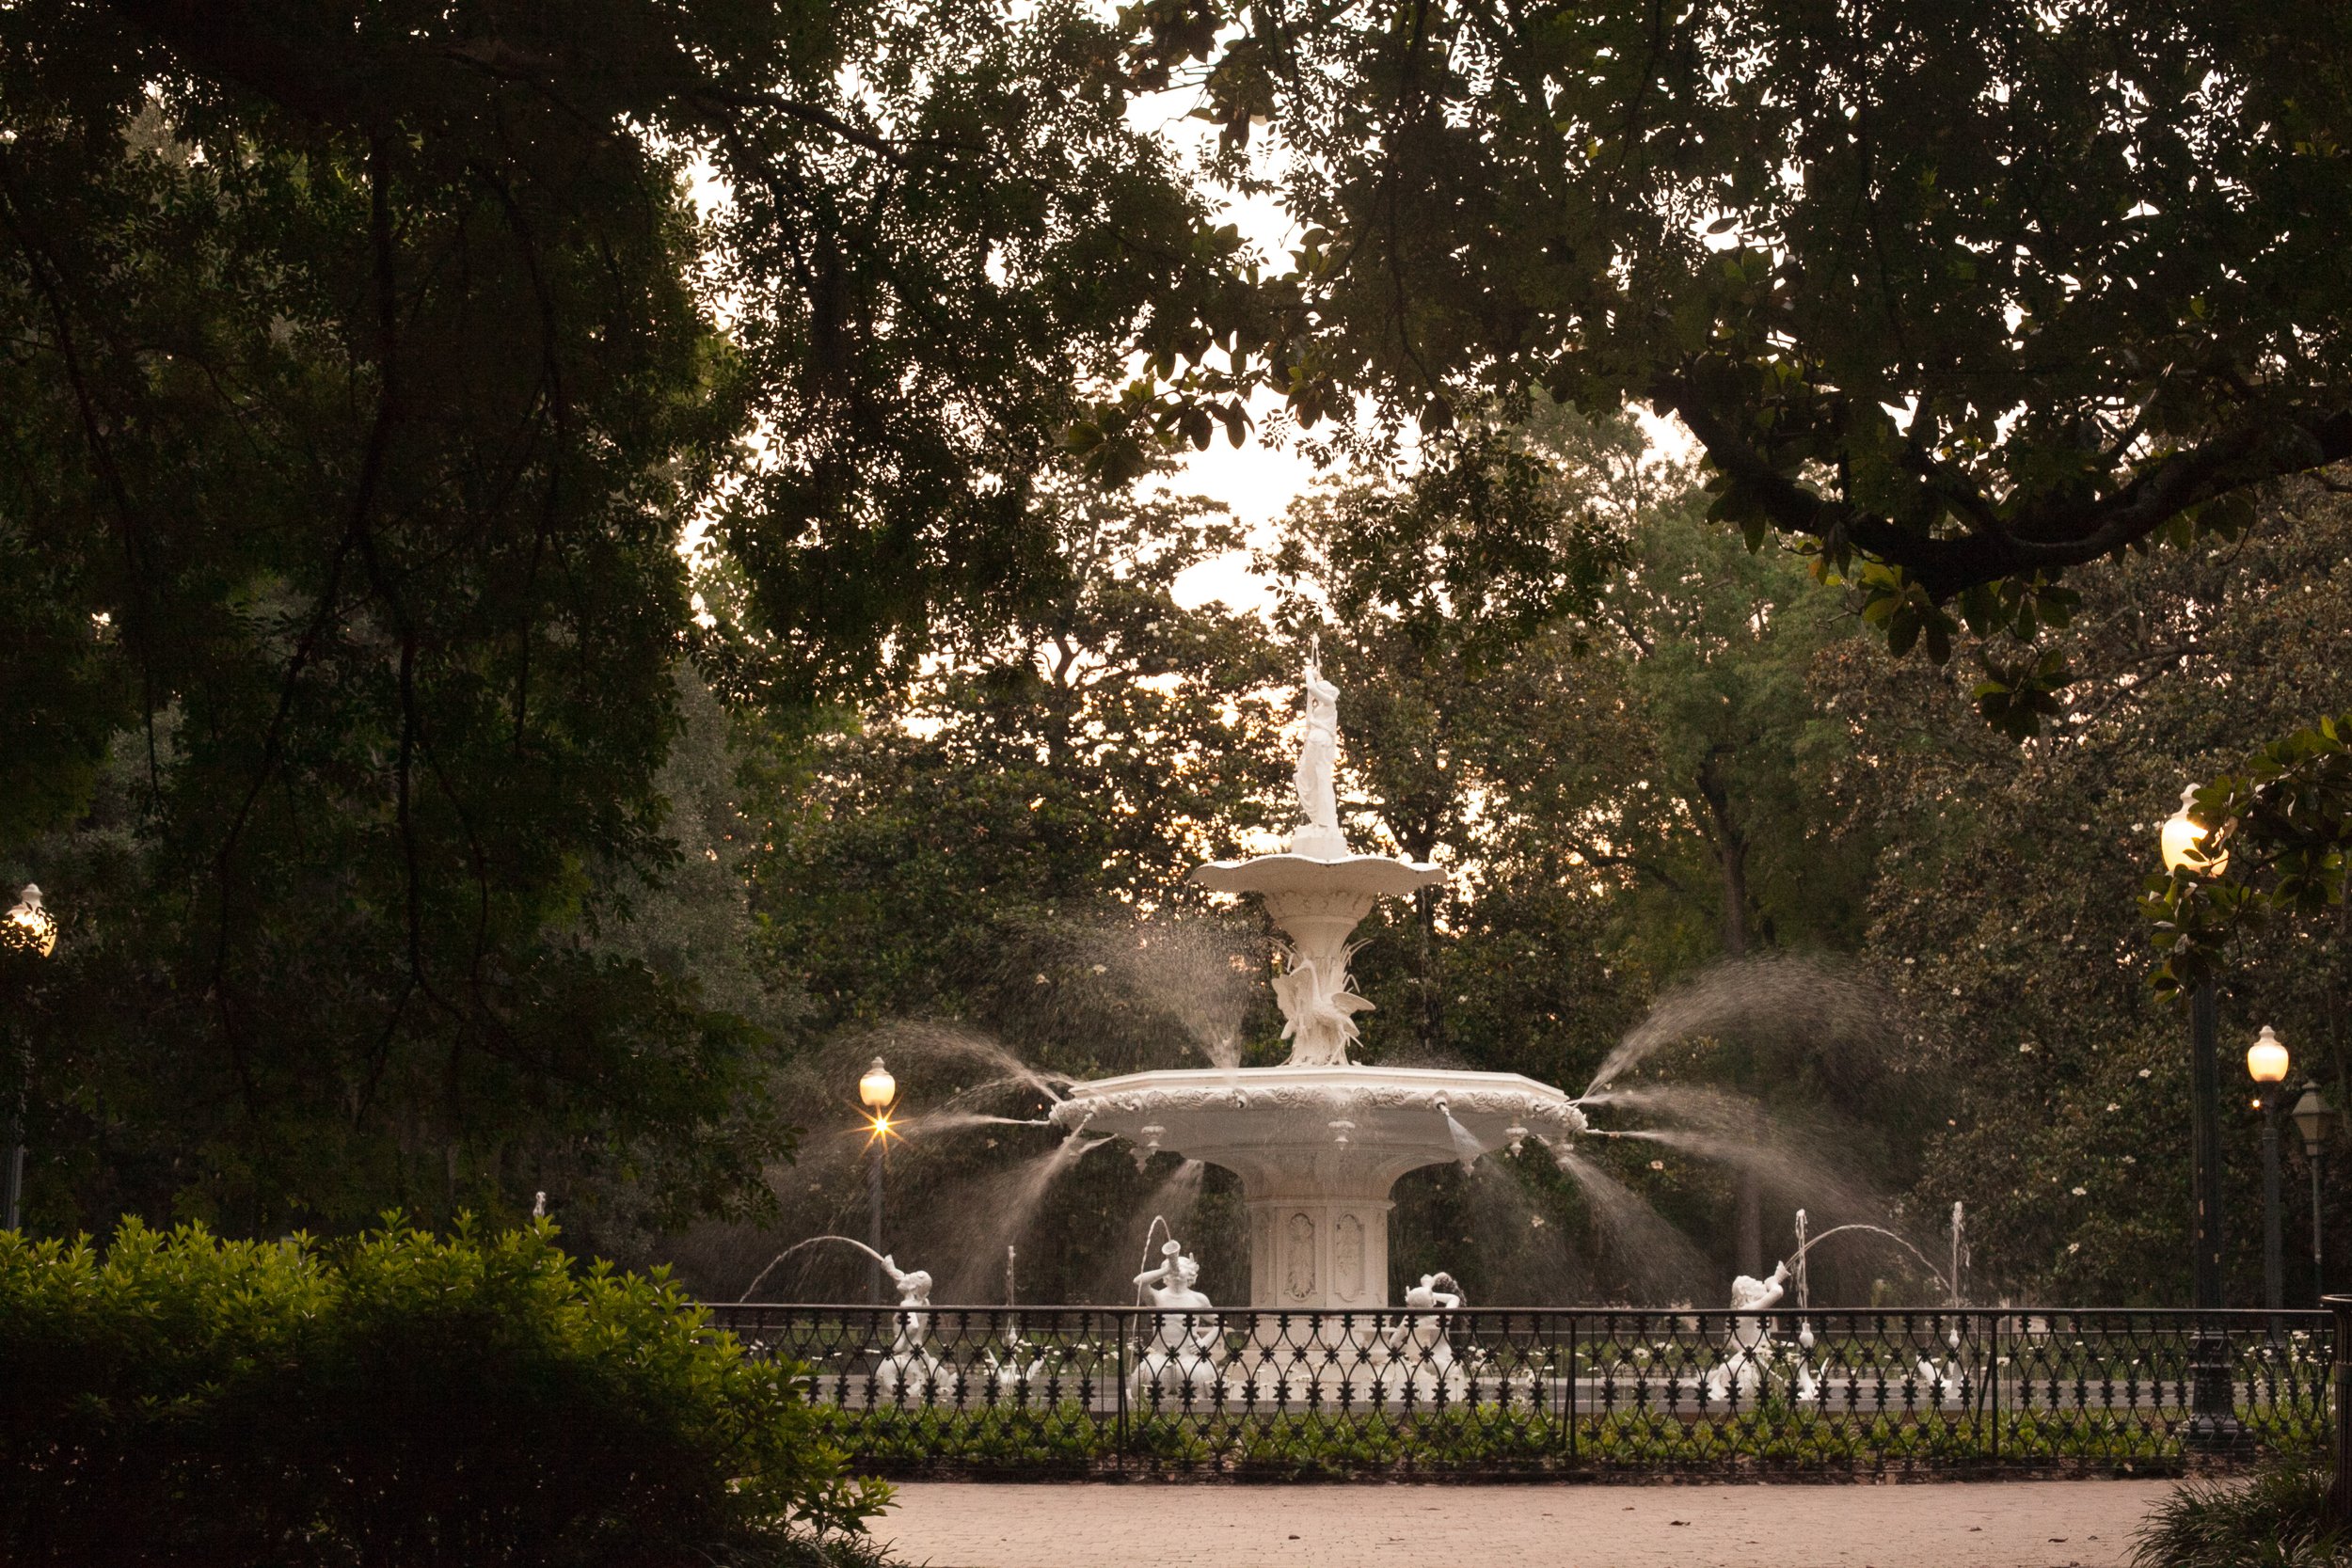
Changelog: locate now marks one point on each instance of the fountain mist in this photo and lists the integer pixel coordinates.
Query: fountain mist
(934, 1041)
(1778, 997)
(1659, 1259)
(1202, 973)
(1010, 1201)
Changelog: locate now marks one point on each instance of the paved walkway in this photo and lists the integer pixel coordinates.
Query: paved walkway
(2082, 1524)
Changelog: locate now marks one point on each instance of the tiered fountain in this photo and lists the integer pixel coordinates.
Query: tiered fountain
(1319, 1141)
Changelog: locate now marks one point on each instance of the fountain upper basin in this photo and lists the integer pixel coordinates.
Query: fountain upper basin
(1318, 1148)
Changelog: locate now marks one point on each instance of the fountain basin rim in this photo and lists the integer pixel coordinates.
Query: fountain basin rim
(1321, 1134)
(1290, 873)
(1433, 1082)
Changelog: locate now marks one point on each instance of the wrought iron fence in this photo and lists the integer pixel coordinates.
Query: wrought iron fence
(1044, 1390)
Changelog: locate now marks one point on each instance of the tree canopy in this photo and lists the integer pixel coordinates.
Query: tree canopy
(363, 372)
(558, 568)
(1961, 296)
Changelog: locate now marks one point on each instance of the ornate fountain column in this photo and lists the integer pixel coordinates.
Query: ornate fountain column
(1317, 1239)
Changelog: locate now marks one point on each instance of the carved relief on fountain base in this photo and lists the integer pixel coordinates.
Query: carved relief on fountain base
(1318, 1253)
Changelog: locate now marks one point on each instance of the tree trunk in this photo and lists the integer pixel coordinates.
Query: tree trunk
(1730, 844)
(1432, 1016)
(2340, 999)
(1750, 1226)
(1732, 854)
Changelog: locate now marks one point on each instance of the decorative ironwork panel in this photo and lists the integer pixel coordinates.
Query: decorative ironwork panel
(1046, 1390)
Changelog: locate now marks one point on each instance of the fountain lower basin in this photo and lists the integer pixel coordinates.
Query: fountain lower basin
(1318, 1148)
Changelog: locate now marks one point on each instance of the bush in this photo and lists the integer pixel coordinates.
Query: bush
(2277, 1518)
(396, 1400)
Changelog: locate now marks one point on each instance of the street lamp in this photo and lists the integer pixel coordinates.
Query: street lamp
(2316, 1120)
(877, 1089)
(31, 930)
(2266, 1065)
(2183, 841)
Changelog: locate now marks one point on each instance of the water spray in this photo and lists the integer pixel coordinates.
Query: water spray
(845, 1240)
(1933, 1272)
(1805, 1292)
(1466, 1147)
(1159, 1223)
(1959, 1250)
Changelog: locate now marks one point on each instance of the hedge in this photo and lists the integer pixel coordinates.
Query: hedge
(395, 1399)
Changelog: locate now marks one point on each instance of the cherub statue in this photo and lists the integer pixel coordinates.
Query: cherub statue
(1750, 1294)
(910, 1364)
(914, 1297)
(1182, 1352)
(1417, 1344)
(1741, 1370)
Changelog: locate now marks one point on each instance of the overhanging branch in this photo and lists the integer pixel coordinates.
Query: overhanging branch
(2045, 534)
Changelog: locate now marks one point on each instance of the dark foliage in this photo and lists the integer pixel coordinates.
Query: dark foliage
(1961, 296)
(398, 1400)
(2275, 1519)
(364, 370)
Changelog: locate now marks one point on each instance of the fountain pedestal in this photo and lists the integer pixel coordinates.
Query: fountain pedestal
(1313, 1251)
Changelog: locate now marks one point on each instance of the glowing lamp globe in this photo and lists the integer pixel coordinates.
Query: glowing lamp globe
(2183, 841)
(29, 929)
(878, 1088)
(2267, 1059)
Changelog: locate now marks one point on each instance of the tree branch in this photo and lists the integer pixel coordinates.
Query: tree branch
(2047, 534)
(368, 80)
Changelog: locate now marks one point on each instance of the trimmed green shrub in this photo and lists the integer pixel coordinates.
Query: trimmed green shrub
(395, 1399)
(2276, 1518)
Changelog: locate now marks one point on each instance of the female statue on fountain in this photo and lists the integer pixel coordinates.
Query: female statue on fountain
(1183, 1352)
(1318, 833)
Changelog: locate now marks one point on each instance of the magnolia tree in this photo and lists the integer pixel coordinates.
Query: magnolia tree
(1957, 297)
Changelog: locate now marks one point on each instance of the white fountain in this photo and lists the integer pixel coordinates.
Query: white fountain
(1319, 1141)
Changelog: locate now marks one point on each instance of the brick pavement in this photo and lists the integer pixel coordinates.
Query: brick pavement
(2084, 1524)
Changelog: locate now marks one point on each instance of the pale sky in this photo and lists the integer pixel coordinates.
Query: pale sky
(1257, 480)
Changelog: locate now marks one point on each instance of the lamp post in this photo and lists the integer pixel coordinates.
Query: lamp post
(31, 931)
(2266, 1065)
(2182, 841)
(2315, 1120)
(877, 1089)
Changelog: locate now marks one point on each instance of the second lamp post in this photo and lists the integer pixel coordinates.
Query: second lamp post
(29, 931)
(2266, 1065)
(2212, 1398)
(877, 1091)
(2315, 1120)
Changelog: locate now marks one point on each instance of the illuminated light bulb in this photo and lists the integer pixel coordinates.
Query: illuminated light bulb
(28, 927)
(2183, 840)
(2266, 1058)
(877, 1088)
